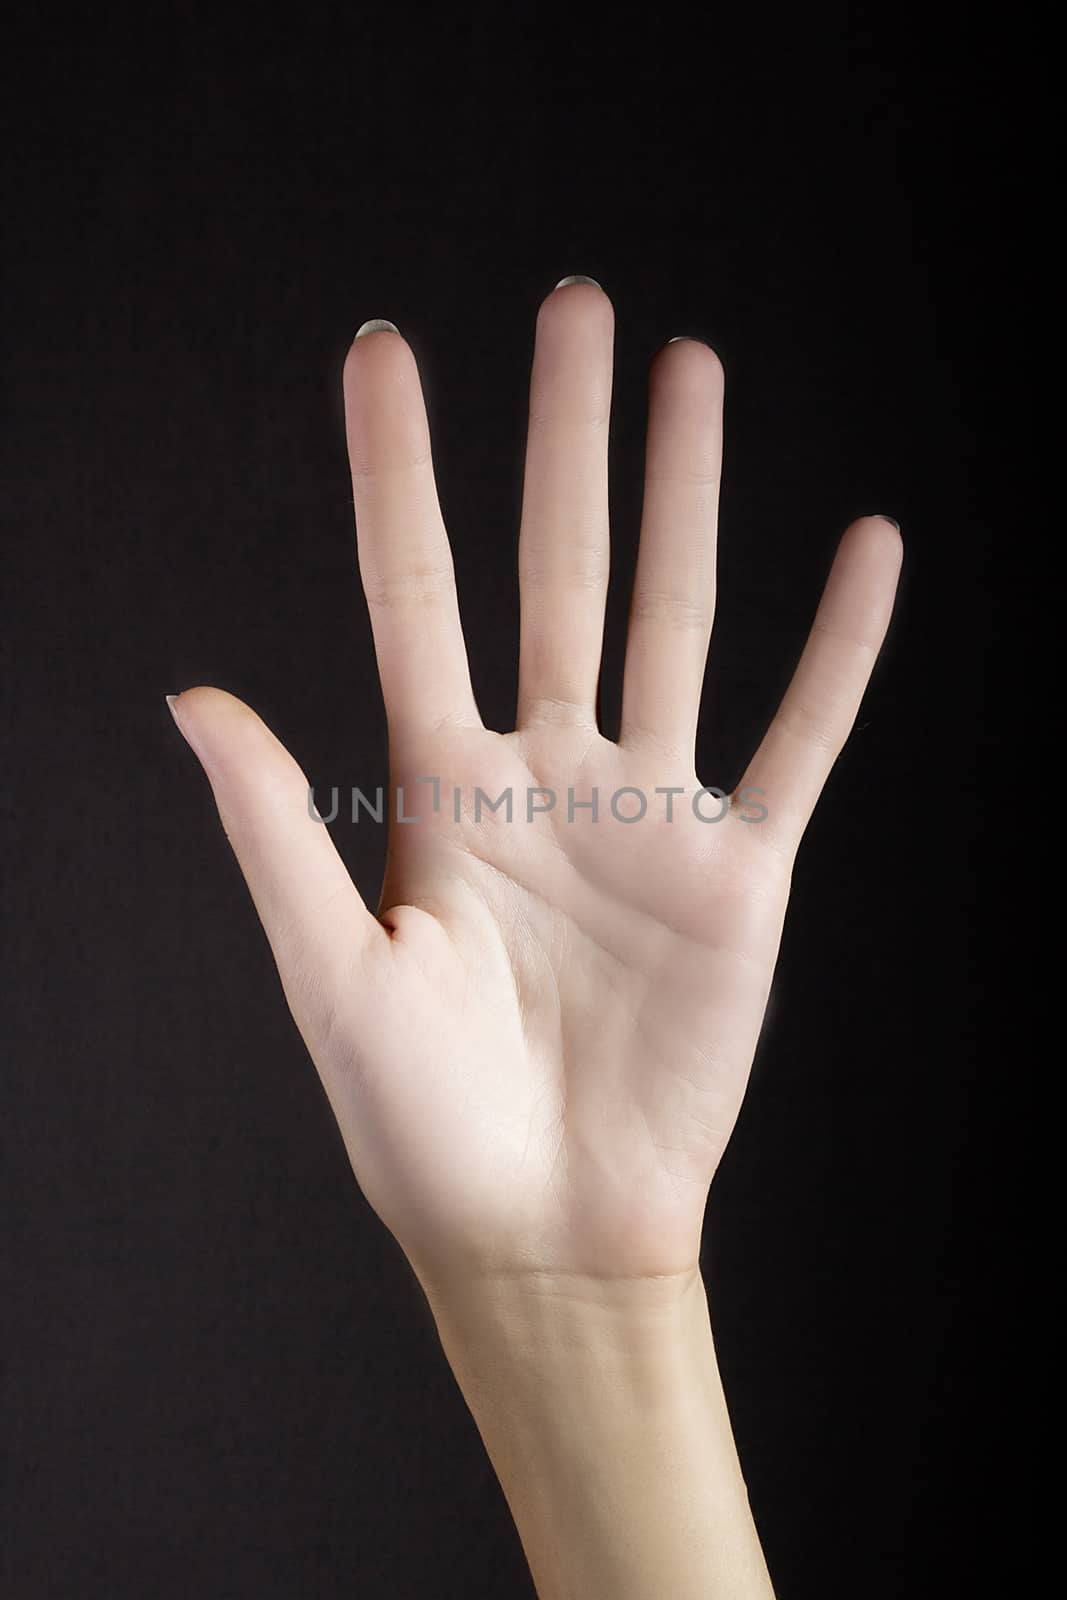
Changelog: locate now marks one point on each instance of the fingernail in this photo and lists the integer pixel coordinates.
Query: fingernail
(686, 338)
(191, 735)
(377, 325)
(170, 699)
(883, 518)
(577, 278)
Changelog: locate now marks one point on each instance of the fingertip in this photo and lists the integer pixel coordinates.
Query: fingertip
(221, 730)
(690, 363)
(579, 299)
(882, 530)
(378, 348)
(875, 541)
(204, 700)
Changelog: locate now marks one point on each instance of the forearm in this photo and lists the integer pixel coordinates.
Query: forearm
(602, 1411)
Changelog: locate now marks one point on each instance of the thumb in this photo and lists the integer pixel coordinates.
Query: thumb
(319, 928)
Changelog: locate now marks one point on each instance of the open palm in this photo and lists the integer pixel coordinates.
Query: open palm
(537, 1049)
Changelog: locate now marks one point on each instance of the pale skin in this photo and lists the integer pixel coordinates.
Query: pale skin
(538, 1046)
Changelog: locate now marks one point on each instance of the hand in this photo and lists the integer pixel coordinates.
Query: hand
(537, 1050)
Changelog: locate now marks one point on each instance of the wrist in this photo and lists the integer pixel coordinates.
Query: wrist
(569, 1329)
(601, 1408)
(568, 1369)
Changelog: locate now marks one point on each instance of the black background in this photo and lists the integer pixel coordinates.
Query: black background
(220, 1378)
